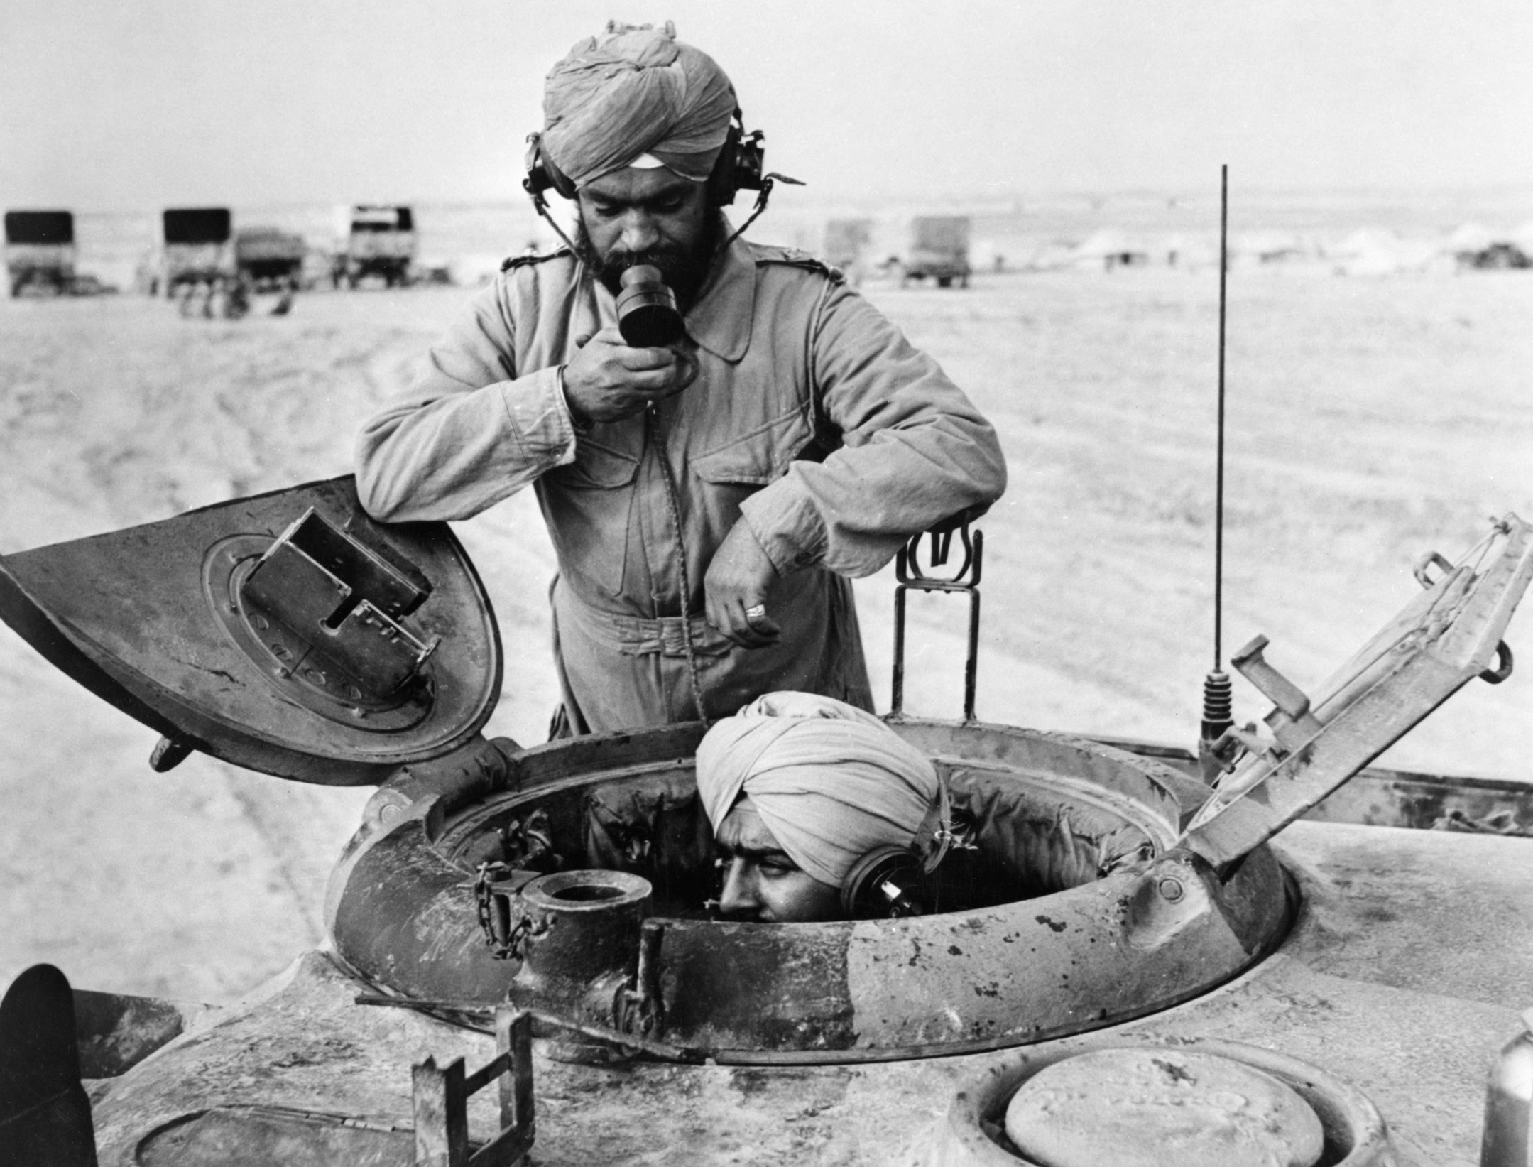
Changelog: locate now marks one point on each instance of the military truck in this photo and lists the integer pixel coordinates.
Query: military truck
(40, 251)
(938, 249)
(269, 259)
(195, 249)
(374, 241)
(846, 244)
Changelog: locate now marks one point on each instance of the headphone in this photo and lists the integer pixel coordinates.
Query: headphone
(740, 166)
(892, 881)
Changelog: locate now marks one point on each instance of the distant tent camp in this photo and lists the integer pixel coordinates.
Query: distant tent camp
(1109, 249)
(1372, 251)
(1468, 239)
(1267, 247)
(1474, 246)
(1189, 251)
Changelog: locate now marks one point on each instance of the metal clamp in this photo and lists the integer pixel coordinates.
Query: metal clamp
(964, 579)
(639, 1008)
(492, 898)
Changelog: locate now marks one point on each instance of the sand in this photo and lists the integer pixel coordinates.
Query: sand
(1370, 421)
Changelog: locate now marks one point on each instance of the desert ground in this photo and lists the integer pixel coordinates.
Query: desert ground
(1370, 420)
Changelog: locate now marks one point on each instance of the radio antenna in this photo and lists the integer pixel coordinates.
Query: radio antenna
(1217, 700)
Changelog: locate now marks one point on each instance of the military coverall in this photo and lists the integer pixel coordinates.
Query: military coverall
(811, 416)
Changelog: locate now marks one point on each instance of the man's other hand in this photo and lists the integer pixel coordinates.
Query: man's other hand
(607, 380)
(737, 582)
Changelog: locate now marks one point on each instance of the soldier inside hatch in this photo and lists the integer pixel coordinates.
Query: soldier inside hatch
(710, 501)
(807, 797)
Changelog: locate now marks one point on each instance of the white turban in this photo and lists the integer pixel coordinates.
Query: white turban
(830, 781)
(631, 92)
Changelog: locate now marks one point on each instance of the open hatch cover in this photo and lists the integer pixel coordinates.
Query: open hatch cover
(1446, 636)
(286, 632)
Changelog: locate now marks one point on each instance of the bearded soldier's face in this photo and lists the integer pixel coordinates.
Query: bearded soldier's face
(652, 216)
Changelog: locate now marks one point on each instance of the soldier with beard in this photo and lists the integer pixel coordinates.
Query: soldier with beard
(708, 502)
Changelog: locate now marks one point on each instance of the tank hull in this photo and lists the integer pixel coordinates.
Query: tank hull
(1362, 988)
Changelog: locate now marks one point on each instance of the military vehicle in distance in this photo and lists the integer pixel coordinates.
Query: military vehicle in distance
(195, 250)
(373, 241)
(40, 251)
(846, 244)
(939, 250)
(269, 259)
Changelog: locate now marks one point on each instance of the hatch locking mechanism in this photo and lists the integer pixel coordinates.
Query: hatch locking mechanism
(1291, 720)
(327, 611)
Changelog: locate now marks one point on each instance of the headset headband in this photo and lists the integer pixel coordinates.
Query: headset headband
(741, 165)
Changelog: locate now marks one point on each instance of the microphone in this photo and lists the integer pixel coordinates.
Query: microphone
(646, 309)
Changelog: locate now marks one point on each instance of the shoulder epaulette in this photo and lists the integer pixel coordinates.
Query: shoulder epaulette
(793, 257)
(516, 261)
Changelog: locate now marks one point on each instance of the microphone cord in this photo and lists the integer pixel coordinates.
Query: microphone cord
(672, 495)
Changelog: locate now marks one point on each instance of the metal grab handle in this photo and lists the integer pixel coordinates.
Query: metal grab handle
(1424, 565)
(1503, 666)
(965, 579)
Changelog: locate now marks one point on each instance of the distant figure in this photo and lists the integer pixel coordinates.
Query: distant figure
(236, 300)
(284, 303)
(709, 501)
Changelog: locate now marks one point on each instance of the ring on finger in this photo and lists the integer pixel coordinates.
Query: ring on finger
(755, 612)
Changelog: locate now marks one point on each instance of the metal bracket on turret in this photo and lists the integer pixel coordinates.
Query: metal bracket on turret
(441, 1101)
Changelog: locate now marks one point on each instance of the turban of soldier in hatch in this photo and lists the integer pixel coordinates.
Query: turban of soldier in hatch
(831, 782)
(630, 92)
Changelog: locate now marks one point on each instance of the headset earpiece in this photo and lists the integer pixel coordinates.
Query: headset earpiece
(896, 881)
(884, 883)
(542, 174)
(740, 165)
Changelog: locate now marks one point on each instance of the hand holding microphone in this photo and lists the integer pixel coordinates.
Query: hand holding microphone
(620, 371)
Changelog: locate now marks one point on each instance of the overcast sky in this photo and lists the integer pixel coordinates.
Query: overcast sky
(144, 103)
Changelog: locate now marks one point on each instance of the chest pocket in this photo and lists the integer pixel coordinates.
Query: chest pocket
(758, 457)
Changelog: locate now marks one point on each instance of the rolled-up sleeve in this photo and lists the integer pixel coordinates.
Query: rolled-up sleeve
(468, 432)
(915, 450)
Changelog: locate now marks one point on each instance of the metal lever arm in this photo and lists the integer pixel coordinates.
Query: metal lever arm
(1291, 721)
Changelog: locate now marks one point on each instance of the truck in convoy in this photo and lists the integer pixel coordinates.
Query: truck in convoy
(846, 245)
(195, 249)
(269, 259)
(373, 241)
(40, 251)
(939, 249)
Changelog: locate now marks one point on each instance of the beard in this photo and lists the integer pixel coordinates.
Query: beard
(684, 269)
